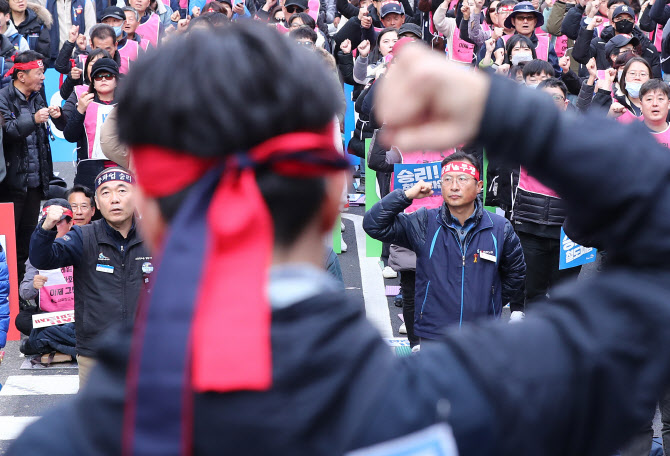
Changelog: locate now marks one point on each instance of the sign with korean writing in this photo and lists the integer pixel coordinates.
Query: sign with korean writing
(53, 318)
(57, 294)
(573, 254)
(406, 175)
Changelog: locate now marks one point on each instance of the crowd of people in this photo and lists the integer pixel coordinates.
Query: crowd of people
(463, 251)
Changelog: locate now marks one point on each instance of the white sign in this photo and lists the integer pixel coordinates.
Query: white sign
(53, 318)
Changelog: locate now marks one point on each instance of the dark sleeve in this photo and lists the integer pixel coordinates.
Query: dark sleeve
(74, 128)
(47, 252)
(593, 370)
(584, 48)
(345, 63)
(346, 9)
(463, 32)
(651, 55)
(350, 31)
(572, 82)
(585, 97)
(659, 12)
(44, 42)
(15, 128)
(263, 15)
(555, 18)
(68, 86)
(646, 23)
(602, 99)
(369, 34)
(409, 9)
(377, 158)
(386, 221)
(63, 64)
(572, 22)
(59, 122)
(512, 266)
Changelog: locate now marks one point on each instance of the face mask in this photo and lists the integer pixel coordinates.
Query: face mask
(532, 86)
(118, 30)
(618, 75)
(519, 58)
(633, 89)
(624, 26)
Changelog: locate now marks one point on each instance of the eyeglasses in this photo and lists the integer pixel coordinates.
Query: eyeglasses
(461, 179)
(638, 74)
(558, 98)
(106, 77)
(83, 207)
(308, 44)
(525, 17)
(293, 9)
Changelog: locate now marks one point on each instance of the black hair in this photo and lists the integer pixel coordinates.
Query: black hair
(292, 91)
(513, 40)
(91, 55)
(4, 7)
(376, 54)
(78, 188)
(103, 31)
(214, 6)
(622, 82)
(614, 2)
(515, 70)
(459, 155)
(537, 67)
(487, 16)
(307, 20)
(303, 32)
(210, 20)
(273, 12)
(654, 85)
(554, 83)
(25, 57)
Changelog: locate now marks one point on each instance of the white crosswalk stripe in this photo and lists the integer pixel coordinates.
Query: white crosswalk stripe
(29, 385)
(12, 426)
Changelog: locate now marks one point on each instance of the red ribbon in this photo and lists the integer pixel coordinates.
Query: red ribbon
(232, 298)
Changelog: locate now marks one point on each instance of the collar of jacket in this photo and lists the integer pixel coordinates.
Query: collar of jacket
(116, 238)
(448, 220)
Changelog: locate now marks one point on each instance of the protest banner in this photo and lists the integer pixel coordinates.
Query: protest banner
(8, 240)
(57, 294)
(573, 254)
(43, 320)
(373, 247)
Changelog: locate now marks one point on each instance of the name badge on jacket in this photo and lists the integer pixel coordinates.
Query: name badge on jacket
(105, 268)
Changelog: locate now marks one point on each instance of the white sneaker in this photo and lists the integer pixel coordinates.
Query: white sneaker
(402, 329)
(516, 316)
(342, 227)
(343, 246)
(416, 348)
(389, 273)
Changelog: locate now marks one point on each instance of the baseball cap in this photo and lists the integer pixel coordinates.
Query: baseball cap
(113, 11)
(67, 213)
(623, 9)
(299, 3)
(619, 41)
(105, 64)
(392, 7)
(408, 27)
(524, 7)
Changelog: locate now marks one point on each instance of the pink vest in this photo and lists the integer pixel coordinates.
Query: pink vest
(96, 114)
(57, 294)
(540, 32)
(602, 26)
(128, 53)
(628, 117)
(150, 29)
(530, 184)
(144, 43)
(281, 28)
(462, 51)
(658, 37)
(542, 48)
(663, 137)
(425, 156)
(313, 6)
(561, 46)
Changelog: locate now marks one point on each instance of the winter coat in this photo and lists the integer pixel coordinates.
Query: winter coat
(4, 298)
(19, 130)
(74, 130)
(7, 53)
(455, 282)
(36, 29)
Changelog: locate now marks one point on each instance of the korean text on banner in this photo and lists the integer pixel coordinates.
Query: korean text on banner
(53, 318)
(406, 175)
(573, 254)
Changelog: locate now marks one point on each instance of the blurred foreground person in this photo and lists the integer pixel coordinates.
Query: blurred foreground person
(240, 347)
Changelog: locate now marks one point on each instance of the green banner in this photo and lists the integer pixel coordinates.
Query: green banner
(485, 167)
(337, 235)
(373, 247)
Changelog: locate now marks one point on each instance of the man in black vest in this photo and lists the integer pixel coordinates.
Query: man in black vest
(110, 262)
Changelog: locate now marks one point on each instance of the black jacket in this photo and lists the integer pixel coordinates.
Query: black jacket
(103, 297)
(73, 130)
(35, 29)
(16, 130)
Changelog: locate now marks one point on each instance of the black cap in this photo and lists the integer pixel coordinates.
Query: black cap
(408, 27)
(623, 9)
(392, 7)
(619, 41)
(105, 64)
(113, 11)
(299, 3)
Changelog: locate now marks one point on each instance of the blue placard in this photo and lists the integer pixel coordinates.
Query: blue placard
(406, 175)
(61, 150)
(349, 122)
(573, 254)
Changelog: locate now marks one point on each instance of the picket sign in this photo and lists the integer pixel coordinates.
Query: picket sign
(573, 254)
(53, 318)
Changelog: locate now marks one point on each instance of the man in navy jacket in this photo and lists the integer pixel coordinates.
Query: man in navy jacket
(469, 262)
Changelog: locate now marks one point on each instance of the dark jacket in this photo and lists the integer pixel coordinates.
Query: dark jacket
(4, 297)
(589, 45)
(35, 29)
(102, 298)
(19, 131)
(454, 284)
(538, 214)
(598, 360)
(78, 19)
(7, 53)
(74, 130)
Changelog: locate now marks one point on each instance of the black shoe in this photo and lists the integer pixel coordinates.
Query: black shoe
(27, 349)
(398, 300)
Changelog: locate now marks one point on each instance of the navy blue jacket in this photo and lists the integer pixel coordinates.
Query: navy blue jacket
(591, 362)
(454, 284)
(77, 19)
(4, 298)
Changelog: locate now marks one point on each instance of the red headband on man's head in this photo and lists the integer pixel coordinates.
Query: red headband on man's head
(234, 305)
(25, 66)
(461, 167)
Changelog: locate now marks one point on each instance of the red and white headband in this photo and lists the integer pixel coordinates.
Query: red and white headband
(460, 167)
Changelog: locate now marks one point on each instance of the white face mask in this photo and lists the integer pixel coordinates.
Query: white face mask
(633, 89)
(532, 86)
(521, 57)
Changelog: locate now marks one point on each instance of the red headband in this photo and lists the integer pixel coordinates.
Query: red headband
(460, 167)
(232, 300)
(66, 212)
(25, 66)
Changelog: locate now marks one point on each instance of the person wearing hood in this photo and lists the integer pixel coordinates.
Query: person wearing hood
(8, 30)
(623, 23)
(128, 50)
(32, 22)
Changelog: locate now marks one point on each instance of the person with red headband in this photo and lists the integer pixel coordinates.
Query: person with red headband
(111, 263)
(469, 262)
(27, 168)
